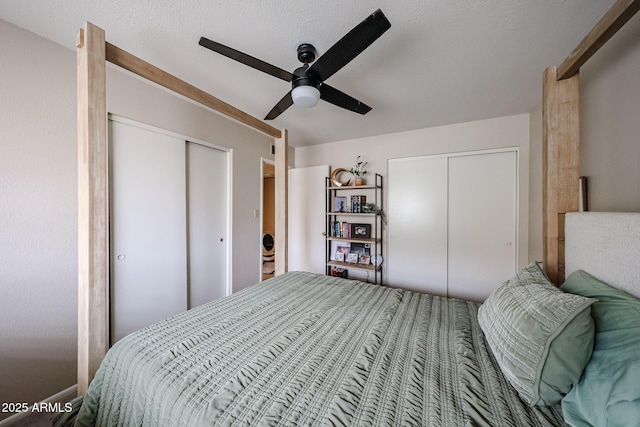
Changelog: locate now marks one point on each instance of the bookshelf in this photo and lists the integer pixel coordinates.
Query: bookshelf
(353, 231)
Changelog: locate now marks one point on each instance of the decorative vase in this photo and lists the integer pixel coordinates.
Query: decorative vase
(359, 181)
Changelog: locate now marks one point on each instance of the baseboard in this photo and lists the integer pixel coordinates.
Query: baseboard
(64, 396)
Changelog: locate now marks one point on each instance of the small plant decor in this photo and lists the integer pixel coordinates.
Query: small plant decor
(372, 208)
(358, 170)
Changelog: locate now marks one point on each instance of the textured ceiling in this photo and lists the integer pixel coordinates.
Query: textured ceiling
(442, 61)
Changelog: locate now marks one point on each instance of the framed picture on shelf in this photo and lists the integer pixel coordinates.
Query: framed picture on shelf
(340, 204)
(352, 258)
(340, 256)
(361, 231)
(343, 248)
(360, 248)
(364, 259)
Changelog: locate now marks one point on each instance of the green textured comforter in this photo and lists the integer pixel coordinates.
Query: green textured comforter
(305, 349)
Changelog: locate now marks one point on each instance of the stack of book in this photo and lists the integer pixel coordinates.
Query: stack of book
(340, 229)
(357, 202)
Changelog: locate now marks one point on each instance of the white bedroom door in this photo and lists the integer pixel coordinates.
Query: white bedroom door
(148, 233)
(307, 219)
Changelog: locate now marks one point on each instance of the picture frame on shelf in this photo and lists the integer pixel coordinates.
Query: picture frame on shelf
(340, 204)
(339, 247)
(360, 248)
(364, 259)
(352, 258)
(361, 231)
(339, 256)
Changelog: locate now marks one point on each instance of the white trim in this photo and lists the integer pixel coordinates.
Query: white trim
(229, 237)
(63, 396)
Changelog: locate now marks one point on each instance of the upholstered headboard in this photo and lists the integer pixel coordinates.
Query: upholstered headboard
(605, 245)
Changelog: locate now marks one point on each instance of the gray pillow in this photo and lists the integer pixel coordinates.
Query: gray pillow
(541, 337)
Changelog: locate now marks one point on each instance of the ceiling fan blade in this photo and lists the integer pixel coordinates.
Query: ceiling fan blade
(350, 46)
(246, 59)
(281, 106)
(343, 100)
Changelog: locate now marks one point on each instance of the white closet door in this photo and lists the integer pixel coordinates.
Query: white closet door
(417, 189)
(307, 219)
(148, 233)
(207, 206)
(482, 223)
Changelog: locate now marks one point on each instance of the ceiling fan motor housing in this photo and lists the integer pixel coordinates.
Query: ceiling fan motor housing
(301, 76)
(305, 89)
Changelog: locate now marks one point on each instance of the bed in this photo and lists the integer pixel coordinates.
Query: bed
(307, 349)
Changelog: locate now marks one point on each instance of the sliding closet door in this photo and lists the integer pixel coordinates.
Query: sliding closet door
(207, 206)
(417, 222)
(148, 233)
(482, 223)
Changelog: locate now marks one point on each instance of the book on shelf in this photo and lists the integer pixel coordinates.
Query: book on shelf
(357, 202)
(340, 229)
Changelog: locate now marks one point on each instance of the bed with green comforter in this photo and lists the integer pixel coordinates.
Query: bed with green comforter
(304, 350)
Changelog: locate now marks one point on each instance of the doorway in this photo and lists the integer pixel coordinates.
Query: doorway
(267, 220)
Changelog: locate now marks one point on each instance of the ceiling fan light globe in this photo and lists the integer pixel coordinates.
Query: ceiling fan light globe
(305, 96)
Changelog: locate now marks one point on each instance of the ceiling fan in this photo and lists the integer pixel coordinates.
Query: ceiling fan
(307, 82)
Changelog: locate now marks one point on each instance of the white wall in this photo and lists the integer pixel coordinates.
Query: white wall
(610, 124)
(38, 201)
(511, 131)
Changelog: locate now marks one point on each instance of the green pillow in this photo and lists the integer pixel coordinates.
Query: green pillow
(540, 336)
(608, 393)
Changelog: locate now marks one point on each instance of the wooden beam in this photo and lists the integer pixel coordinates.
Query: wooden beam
(560, 158)
(92, 203)
(282, 205)
(611, 22)
(129, 62)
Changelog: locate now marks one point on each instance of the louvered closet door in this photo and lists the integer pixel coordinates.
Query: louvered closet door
(148, 232)
(482, 223)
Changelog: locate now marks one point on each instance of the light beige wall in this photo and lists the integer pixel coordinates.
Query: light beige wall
(38, 201)
(511, 131)
(610, 122)
(38, 209)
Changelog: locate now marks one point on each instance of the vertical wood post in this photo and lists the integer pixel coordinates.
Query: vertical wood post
(92, 203)
(560, 159)
(282, 202)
